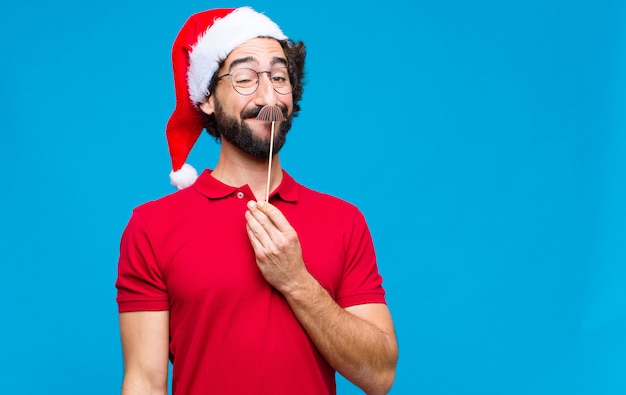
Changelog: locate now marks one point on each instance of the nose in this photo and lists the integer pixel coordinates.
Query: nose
(265, 93)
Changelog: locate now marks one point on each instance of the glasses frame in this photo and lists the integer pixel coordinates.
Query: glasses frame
(258, 81)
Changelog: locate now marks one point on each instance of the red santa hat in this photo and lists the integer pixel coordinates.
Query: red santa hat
(204, 41)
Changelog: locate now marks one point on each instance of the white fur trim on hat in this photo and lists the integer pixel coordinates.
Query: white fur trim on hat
(226, 34)
(183, 177)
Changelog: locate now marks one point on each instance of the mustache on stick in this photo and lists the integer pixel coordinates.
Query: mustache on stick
(270, 113)
(273, 114)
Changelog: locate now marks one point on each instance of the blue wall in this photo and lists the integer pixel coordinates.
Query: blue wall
(483, 140)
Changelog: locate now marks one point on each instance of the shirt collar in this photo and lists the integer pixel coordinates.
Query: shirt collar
(213, 188)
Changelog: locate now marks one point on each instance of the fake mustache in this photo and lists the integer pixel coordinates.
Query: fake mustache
(254, 112)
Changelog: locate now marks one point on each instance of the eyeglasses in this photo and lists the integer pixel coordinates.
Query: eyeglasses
(246, 81)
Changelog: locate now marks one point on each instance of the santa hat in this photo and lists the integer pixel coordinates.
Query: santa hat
(204, 41)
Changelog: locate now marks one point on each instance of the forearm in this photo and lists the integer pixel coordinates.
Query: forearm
(363, 353)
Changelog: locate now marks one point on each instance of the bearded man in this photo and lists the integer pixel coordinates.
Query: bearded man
(246, 293)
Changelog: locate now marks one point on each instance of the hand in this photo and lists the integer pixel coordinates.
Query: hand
(276, 246)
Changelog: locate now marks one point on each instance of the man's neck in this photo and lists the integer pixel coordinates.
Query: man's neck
(236, 168)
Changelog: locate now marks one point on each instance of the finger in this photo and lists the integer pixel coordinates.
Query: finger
(263, 252)
(262, 219)
(255, 229)
(254, 240)
(274, 215)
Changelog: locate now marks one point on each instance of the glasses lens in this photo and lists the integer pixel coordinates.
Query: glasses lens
(245, 81)
(280, 80)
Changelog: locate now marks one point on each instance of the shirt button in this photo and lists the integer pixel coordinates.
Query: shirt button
(240, 195)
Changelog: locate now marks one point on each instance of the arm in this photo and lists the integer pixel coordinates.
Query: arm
(359, 341)
(145, 345)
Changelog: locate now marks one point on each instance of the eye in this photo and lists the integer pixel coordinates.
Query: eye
(245, 77)
(280, 76)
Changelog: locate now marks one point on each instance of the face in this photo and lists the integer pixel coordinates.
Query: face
(236, 113)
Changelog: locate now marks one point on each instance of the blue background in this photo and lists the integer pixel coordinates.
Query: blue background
(483, 140)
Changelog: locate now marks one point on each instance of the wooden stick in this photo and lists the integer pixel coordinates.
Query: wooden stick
(270, 113)
(269, 165)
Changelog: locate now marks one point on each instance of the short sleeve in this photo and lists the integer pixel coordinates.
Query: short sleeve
(140, 284)
(361, 282)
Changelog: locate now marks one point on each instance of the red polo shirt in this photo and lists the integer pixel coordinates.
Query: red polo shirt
(230, 331)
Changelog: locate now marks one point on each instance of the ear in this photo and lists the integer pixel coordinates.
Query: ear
(208, 106)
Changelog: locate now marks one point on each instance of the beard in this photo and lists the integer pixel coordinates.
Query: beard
(239, 134)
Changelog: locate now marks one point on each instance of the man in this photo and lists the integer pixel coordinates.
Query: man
(247, 296)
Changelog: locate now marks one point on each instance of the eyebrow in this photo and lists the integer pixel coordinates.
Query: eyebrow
(249, 59)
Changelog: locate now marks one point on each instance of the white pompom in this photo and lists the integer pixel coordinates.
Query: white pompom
(184, 177)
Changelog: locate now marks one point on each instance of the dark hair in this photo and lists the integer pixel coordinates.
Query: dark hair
(296, 54)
